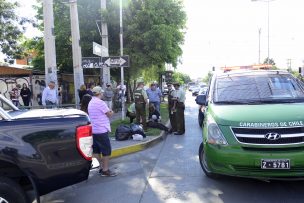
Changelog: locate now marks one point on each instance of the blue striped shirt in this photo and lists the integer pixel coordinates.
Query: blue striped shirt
(154, 95)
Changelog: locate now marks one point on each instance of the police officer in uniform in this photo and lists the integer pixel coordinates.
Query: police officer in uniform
(171, 110)
(140, 97)
(179, 97)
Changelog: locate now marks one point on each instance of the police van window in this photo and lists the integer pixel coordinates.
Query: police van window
(257, 88)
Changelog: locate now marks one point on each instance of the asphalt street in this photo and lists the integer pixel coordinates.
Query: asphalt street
(170, 172)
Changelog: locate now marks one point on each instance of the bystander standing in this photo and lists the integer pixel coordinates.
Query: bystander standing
(49, 95)
(108, 96)
(99, 115)
(82, 91)
(15, 94)
(26, 95)
(85, 103)
(154, 95)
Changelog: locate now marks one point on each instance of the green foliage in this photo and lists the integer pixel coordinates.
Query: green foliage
(271, 61)
(36, 46)
(182, 78)
(152, 74)
(11, 29)
(207, 77)
(153, 31)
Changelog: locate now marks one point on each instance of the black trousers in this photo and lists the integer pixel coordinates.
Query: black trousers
(172, 117)
(157, 125)
(180, 117)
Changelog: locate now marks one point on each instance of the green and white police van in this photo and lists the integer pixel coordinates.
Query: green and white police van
(253, 125)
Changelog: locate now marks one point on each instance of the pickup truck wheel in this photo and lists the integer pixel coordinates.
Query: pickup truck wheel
(203, 162)
(11, 192)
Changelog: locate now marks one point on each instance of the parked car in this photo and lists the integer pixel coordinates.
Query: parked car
(165, 90)
(42, 150)
(190, 85)
(195, 90)
(253, 126)
(203, 90)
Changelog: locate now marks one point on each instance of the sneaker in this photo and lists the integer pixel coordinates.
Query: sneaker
(108, 173)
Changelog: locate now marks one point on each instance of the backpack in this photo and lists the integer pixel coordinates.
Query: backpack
(137, 129)
(123, 132)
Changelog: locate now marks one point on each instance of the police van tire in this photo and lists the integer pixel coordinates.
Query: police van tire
(200, 120)
(11, 192)
(203, 163)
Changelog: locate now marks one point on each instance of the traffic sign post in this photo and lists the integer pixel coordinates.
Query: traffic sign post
(116, 61)
(100, 50)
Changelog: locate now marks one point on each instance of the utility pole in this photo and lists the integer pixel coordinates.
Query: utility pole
(77, 69)
(49, 42)
(289, 65)
(121, 54)
(105, 71)
(260, 45)
(268, 32)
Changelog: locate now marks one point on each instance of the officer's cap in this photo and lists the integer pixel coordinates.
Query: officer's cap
(140, 81)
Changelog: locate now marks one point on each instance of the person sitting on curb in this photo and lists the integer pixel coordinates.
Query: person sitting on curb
(155, 119)
(131, 112)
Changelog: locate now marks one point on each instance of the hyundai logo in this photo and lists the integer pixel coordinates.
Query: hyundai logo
(272, 136)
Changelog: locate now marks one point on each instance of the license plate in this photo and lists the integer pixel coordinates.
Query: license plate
(275, 164)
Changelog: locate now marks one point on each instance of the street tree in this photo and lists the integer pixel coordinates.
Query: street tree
(11, 29)
(182, 78)
(208, 77)
(153, 32)
(271, 61)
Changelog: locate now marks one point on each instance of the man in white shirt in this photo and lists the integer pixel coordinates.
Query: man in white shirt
(49, 95)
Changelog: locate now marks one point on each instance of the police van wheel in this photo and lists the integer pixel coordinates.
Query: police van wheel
(203, 162)
(200, 120)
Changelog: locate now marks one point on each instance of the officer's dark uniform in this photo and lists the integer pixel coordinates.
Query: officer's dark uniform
(180, 108)
(140, 97)
(172, 113)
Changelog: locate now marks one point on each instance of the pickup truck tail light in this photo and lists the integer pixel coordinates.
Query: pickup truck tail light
(85, 141)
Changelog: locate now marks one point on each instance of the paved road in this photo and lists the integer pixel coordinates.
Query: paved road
(170, 172)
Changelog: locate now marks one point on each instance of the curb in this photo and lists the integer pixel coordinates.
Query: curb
(139, 147)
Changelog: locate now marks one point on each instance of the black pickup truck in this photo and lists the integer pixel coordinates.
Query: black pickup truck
(41, 150)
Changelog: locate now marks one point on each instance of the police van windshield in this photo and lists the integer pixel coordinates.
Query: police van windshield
(264, 88)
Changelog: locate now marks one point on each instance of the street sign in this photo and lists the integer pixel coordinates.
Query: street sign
(100, 50)
(91, 62)
(116, 61)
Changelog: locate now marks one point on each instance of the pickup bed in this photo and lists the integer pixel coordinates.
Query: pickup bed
(42, 150)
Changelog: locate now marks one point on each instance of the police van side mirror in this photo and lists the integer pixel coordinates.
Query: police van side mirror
(201, 99)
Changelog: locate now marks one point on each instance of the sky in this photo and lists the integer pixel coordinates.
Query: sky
(226, 33)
